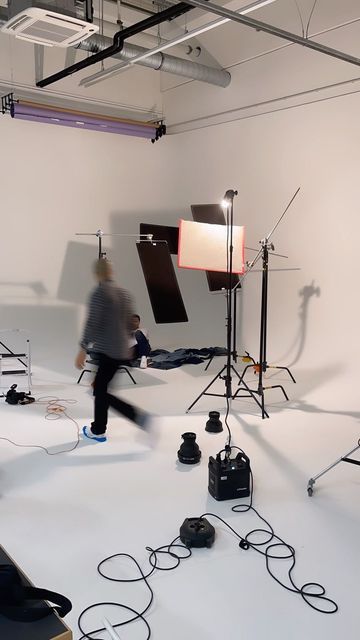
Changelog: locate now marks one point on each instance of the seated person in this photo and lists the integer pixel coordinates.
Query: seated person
(139, 343)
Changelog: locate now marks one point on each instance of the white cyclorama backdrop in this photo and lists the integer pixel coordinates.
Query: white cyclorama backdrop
(47, 198)
(206, 246)
(313, 301)
(92, 181)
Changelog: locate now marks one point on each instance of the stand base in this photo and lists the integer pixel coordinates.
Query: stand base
(244, 387)
(265, 367)
(345, 458)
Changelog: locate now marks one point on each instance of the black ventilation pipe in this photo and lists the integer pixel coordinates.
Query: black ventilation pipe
(118, 42)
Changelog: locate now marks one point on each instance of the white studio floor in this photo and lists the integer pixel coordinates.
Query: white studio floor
(61, 515)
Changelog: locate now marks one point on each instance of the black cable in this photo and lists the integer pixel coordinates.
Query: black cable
(226, 422)
(153, 560)
(287, 553)
(309, 591)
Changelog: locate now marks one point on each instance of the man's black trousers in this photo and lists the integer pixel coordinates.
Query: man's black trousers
(103, 400)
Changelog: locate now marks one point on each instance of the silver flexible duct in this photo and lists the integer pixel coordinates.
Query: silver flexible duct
(158, 61)
(161, 62)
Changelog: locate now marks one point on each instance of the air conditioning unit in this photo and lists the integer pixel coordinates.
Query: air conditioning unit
(52, 24)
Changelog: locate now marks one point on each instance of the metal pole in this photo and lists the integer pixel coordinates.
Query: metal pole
(29, 364)
(230, 222)
(274, 31)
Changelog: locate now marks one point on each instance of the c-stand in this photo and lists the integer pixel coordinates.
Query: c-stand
(261, 366)
(230, 322)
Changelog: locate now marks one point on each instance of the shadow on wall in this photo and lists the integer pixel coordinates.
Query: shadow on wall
(306, 294)
(206, 312)
(76, 279)
(37, 288)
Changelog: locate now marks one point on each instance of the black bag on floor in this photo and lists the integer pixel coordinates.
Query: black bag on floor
(15, 598)
(18, 397)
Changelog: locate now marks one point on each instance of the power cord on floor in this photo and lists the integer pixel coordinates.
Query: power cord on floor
(285, 552)
(54, 411)
(153, 559)
(310, 591)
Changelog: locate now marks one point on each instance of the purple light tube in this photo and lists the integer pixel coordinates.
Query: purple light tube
(50, 116)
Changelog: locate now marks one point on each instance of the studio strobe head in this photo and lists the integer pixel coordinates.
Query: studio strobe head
(214, 424)
(189, 452)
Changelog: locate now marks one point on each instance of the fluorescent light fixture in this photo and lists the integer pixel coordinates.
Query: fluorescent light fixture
(122, 66)
(34, 113)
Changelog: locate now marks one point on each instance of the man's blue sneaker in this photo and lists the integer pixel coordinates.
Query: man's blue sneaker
(92, 436)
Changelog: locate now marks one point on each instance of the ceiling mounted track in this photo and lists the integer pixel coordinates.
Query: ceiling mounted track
(149, 7)
(275, 31)
(118, 42)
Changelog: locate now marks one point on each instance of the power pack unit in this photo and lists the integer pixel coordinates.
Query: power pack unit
(229, 478)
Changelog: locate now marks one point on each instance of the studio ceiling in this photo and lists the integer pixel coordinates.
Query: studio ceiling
(240, 50)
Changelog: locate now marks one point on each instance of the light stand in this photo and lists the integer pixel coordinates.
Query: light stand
(229, 368)
(262, 365)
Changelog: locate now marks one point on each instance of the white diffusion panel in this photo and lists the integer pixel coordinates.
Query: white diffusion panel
(205, 246)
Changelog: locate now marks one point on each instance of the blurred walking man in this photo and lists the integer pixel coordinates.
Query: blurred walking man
(106, 334)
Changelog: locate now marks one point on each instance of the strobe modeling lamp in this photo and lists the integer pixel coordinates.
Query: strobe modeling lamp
(228, 198)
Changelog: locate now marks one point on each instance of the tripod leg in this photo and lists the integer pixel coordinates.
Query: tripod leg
(253, 395)
(209, 363)
(278, 386)
(82, 373)
(236, 373)
(205, 390)
(285, 369)
(128, 372)
(263, 405)
(248, 366)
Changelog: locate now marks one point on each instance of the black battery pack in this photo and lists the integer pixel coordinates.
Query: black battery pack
(229, 478)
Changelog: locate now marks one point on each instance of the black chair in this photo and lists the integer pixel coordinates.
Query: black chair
(122, 367)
